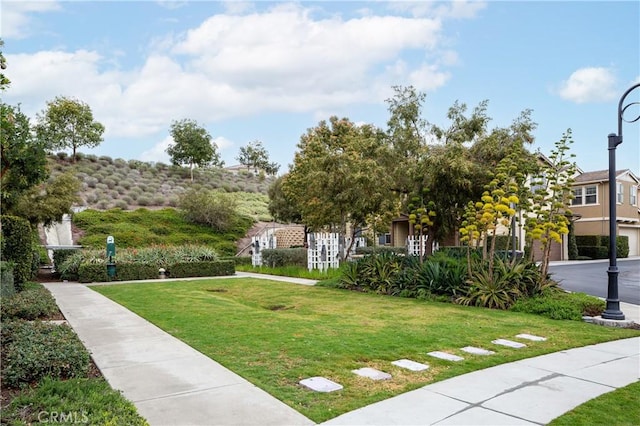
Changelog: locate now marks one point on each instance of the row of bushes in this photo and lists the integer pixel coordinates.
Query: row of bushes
(597, 246)
(514, 285)
(139, 263)
(47, 368)
(95, 272)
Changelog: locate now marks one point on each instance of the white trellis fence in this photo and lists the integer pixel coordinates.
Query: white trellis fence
(259, 243)
(414, 246)
(323, 250)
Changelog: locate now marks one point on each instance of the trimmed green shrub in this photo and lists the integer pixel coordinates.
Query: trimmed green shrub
(561, 306)
(136, 271)
(35, 350)
(29, 304)
(594, 252)
(572, 243)
(284, 257)
(89, 273)
(6, 280)
(17, 247)
(588, 240)
(202, 269)
(622, 245)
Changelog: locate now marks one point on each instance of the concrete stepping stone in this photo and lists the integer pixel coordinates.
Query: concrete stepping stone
(446, 356)
(410, 365)
(372, 373)
(477, 351)
(320, 384)
(531, 337)
(509, 343)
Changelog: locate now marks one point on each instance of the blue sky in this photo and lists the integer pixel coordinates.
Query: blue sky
(268, 71)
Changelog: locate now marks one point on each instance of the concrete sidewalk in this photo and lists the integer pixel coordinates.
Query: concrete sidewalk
(170, 383)
(526, 392)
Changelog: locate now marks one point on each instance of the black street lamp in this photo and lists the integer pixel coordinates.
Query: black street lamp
(612, 310)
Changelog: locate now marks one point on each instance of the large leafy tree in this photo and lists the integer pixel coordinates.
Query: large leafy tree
(281, 207)
(23, 159)
(255, 156)
(192, 145)
(68, 124)
(48, 202)
(425, 158)
(337, 176)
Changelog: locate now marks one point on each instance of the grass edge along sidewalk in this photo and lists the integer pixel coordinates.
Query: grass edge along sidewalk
(275, 334)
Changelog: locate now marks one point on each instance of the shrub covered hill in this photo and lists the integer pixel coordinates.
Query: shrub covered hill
(128, 185)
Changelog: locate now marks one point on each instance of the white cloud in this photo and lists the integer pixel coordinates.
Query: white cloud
(592, 84)
(158, 152)
(17, 16)
(280, 60)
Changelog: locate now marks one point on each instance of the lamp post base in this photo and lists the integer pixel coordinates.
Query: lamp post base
(612, 310)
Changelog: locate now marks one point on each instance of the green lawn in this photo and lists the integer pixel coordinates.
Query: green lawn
(275, 334)
(618, 408)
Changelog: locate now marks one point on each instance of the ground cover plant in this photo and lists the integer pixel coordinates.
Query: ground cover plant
(74, 401)
(107, 183)
(275, 334)
(47, 375)
(620, 407)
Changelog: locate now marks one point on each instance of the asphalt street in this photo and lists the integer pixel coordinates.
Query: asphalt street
(592, 278)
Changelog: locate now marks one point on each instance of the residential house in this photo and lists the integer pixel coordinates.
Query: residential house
(591, 204)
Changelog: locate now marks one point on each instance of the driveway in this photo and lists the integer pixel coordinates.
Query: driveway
(591, 277)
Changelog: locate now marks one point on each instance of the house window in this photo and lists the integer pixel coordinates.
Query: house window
(620, 193)
(577, 197)
(585, 195)
(633, 196)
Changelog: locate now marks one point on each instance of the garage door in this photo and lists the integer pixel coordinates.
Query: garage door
(634, 241)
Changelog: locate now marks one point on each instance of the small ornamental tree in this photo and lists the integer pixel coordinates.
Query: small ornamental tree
(550, 213)
(192, 145)
(68, 123)
(496, 208)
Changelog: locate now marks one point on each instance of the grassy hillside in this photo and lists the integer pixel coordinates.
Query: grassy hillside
(144, 228)
(108, 183)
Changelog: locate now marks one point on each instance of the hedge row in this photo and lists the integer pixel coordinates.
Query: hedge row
(276, 258)
(597, 246)
(17, 247)
(89, 272)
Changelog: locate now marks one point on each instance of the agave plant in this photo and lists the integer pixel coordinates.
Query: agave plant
(494, 291)
(350, 275)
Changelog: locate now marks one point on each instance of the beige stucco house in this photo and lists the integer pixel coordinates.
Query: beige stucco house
(591, 205)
